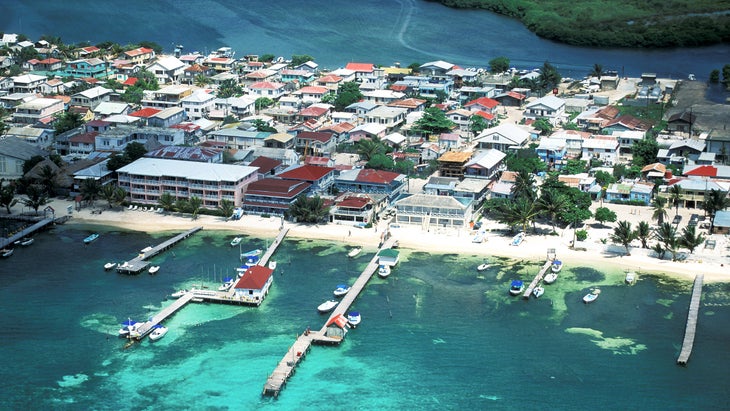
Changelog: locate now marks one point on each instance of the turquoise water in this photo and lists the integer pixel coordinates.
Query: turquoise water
(436, 334)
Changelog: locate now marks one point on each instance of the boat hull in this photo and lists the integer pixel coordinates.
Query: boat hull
(550, 278)
(327, 306)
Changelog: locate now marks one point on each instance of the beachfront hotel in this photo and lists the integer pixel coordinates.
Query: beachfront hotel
(148, 178)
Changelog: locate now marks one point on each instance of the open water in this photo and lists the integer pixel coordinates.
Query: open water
(338, 31)
(435, 335)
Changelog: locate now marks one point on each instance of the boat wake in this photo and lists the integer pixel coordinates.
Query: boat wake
(403, 22)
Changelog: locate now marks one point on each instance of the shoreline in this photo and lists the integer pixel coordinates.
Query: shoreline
(534, 247)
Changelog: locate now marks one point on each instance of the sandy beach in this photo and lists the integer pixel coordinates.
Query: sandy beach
(713, 263)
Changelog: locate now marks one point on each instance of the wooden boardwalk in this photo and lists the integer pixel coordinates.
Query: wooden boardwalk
(272, 248)
(537, 279)
(4, 242)
(285, 369)
(139, 263)
(148, 325)
(689, 332)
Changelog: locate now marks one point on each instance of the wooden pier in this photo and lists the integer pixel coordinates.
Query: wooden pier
(689, 332)
(272, 248)
(149, 325)
(4, 242)
(285, 369)
(139, 263)
(537, 279)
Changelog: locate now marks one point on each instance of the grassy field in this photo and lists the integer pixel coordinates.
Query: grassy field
(618, 23)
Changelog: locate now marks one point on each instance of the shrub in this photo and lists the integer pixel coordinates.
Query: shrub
(581, 235)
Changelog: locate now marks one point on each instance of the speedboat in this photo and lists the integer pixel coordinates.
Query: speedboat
(158, 332)
(25, 241)
(178, 294)
(383, 270)
(591, 297)
(227, 283)
(154, 269)
(483, 266)
(91, 238)
(516, 287)
(236, 241)
(341, 290)
(354, 252)
(550, 278)
(252, 253)
(630, 277)
(538, 291)
(354, 318)
(127, 327)
(517, 240)
(557, 266)
(272, 265)
(109, 266)
(6, 252)
(327, 306)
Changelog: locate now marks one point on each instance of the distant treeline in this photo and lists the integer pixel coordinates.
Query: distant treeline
(617, 23)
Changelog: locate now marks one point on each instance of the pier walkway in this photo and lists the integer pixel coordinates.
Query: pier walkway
(272, 248)
(4, 242)
(689, 332)
(537, 278)
(286, 367)
(139, 263)
(148, 325)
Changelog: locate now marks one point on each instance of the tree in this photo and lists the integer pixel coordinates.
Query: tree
(525, 159)
(715, 201)
(308, 209)
(675, 194)
(596, 71)
(368, 148)
(67, 121)
(644, 151)
(166, 201)
(643, 232)
(415, 67)
(266, 58)
(109, 193)
(434, 121)
(543, 126)
(667, 235)
(262, 126)
(574, 166)
(691, 239)
(499, 65)
(7, 196)
(477, 123)
(151, 45)
(715, 76)
(603, 178)
(520, 212)
(604, 214)
(550, 203)
(48, 178)
(726, 74)
(146, 80)
(194, 205)
(229, 88)
(347, 93)
(624, 235)
(132, 95)
(226, 208)
(201, 80)
(36, 197)
(524, 186)
(549, 77)
(659, 211)
(262, 103)
(381, 162)
(90, 189)
(298, 59)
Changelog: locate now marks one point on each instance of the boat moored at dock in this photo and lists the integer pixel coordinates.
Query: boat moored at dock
(109, 266)
(354, 318)
(236, 241)
(6, 252)
(327, 306)
(516, 287)
(550, 278)
(341, 290)
(557, 266)
(158, 332)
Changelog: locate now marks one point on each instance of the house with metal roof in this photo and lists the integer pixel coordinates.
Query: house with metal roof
(91, 97)
(550, 108)
(236, 138)
(117, 138)
(254, 284)
(505, 137)
(13, 153)
(37, 111)
(168, 69)
(353, 208)
(694, 189)
(434, 212)
(198, 104)
(485, 164)
(721, 223)
(186, 153)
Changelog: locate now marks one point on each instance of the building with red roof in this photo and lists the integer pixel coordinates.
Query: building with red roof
(267, 166)
(272, 195)
(485, 104)
(315, 142)
(371, 181)
(321, 178)
(82, 143)
(353, 208)
(139, 55)
(254, 285)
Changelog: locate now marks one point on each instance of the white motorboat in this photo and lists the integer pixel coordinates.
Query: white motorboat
(154, 269)
(178, 294)
(354, 318)
(128, 327)
(538, 291)
(341, 290)
(550, 278)
(592, 296)
(236, 241)
(327, 306)
(384, 270)
(557, 266)
(272, 265)
(630, 277)
(516, 287)
(517, 240)
(227, 283)
(25, 241)
(158, 332)
(483, 267)
(109, 266)
(354, 252)
(6, 252)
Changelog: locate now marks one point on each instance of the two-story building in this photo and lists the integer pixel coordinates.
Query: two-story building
(505, 137)
(550, 108)
(88, 68)
(604, 148)
(370, 181)
(91, 97)
(167, 69)
(39, 110)
(235, 138)
(270, 89)
(117, 138)
(434, 212)
(389, 117)
(198, 104)
(485, 164)
(319, 178)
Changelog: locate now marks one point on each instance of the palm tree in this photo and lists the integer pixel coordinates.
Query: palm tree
(623, 234)
(691, 239)
(7, 196)
(48, 178)
(524, 186)
(715, 201)
(308, 209)
(166, 201)
(667, 235)
(643, 232)
(596, 71)
(201, 80)
(90, 189)
(226, 208)
(194, 205)
(551, 203)
(108, 193)
(367, 148)
(660, 212)
(520, 212)
(36, 197)
(120, 195)
(675, 193)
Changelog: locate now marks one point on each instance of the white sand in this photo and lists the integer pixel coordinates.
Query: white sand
(714, 264)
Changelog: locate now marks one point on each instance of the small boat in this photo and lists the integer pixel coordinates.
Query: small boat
(236, 241)
(327, 306)
(109, 266)
(383, 271)
(354, 252)
(354, 318)
(591, 297)
(550, 278)
(630, 277)
(272, 265)
(483, 266)
(538, 291)
(227, 283)
(341, 290)
(154, 269)
(127, 327)
(252, 253)
(158, 332)
(517, 240)
(25, 241)
(6, 252)
(516, 287)
(178, 294)
(557, 266)
(91, 238)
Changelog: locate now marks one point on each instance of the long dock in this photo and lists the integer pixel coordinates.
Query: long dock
(4, 242)
(286, 367)
(148, 325)
(537, 279)
(689, 332)
(139, 263)
(272, 248)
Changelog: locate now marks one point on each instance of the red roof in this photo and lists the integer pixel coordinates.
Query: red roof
(703, 171)
(313, 111)
(85, 138)
(187, 127)
(484, 115)
(255, 278)
(145, 112)
(338, 320)
(354, 202)
(265, 164)
(315, 135)
(138, 51)
(484, 102)
(361, 67)
(330, 78)
(266, 85)
(316, 160)
(130, 81)
(275, 187)
(307, 173)
(313, 90)
(369, 175)
(398, 87)
(516, 95)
